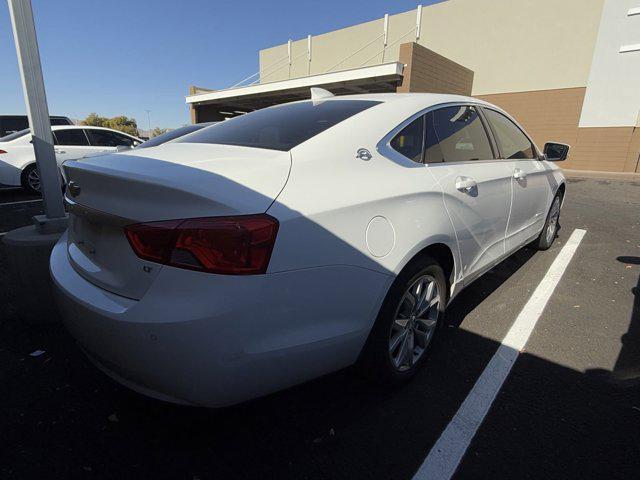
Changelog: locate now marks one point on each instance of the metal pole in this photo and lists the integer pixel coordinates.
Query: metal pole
(149, 120)
(289, 54)
(418, 21)
(386, 35)
(24, 34)
(308, 54)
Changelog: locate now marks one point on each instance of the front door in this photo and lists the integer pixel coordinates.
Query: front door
(530, 180)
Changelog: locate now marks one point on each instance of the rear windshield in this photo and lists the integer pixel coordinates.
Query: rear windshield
(14, 135)
(282, 127)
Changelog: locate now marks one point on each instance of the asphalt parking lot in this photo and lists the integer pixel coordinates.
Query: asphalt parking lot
(570, 407)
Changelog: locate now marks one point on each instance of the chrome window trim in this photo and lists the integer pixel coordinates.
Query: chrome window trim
(384, 145)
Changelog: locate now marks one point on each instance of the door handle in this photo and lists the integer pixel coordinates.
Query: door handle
(57, 150)
(465, 184)
(519, 174)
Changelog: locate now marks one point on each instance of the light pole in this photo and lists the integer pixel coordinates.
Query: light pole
(149, 120)
(24, 34)
(29, 248)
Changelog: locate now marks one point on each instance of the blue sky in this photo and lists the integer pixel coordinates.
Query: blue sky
(123, 57)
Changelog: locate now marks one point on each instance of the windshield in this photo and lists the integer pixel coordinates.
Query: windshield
(281, 127)
(14, 135)
(173, 134)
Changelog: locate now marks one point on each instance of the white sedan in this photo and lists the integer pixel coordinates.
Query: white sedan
(296, 240)
(18, 161)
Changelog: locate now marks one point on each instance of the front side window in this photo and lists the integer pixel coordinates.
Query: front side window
(513, 143)
(282, 127)
(409, 141)
(105, 138)
(70, 137)
(461, 134)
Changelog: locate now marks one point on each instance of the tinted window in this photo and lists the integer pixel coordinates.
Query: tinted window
(105, 138)
(70, 137)
(282, 127)
(60, 121)
(173, 134)
(461, 134)
(432, 150)
(12, 124)
(513, 143)
(409, 141)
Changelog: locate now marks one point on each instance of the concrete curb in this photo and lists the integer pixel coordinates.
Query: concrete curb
(620, 176)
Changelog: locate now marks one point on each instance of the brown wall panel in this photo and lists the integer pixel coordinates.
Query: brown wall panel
(633, 157)
(554, 115)
(426, 71)
(546, 115)
(601, 148)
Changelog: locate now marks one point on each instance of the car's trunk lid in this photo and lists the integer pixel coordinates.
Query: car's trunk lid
(173, 181)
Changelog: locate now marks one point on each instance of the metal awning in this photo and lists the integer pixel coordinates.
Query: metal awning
(377, 78)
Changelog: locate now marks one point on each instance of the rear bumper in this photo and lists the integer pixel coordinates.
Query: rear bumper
(217, 340)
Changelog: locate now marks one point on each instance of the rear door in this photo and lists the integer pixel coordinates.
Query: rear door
(70, 144)
(529, 181)
(476, 186)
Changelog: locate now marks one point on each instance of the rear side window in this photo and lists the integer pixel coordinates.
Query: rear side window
(409, 141)
(281, 127)
(71, 137)
(105, 138)
(461, 134)
(513, 143)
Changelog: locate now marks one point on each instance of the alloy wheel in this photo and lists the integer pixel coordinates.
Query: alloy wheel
(552, 225)
(33, 179)
(414, 323)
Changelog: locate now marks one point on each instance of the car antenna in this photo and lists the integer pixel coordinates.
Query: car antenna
(318, 93)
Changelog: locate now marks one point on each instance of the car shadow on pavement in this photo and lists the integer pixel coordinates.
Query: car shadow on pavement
(62, 418)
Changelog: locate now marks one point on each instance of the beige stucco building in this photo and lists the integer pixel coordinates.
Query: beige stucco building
(568, 70)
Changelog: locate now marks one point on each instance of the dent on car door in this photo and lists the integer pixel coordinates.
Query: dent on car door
(530, 185)
(70, 144)
(476, 186)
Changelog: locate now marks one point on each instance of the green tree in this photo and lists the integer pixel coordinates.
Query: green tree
(122, 123)
(157, 131)
(94, 120)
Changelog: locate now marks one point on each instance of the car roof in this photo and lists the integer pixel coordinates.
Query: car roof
(424, 99)
(74, 127)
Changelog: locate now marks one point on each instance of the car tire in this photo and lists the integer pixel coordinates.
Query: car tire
(551, 225)
(31, 179)
(381, 359)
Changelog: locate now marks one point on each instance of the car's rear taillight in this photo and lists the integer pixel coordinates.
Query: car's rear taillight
(2, 151)
(239, 245)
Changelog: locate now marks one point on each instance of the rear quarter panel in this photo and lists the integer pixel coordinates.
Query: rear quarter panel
(326, 208)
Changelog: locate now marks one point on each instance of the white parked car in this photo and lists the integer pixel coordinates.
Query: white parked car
(18, 161)
(294, 241)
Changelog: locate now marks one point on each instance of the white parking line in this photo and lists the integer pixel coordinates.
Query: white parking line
(446, 454)
(22, 201)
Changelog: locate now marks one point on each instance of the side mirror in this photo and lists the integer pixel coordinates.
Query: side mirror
(556, 152)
